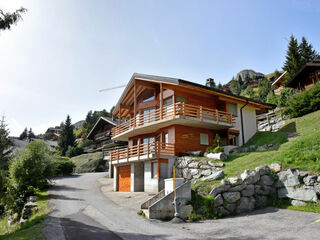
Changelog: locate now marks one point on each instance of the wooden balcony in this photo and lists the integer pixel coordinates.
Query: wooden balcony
(102, 135)
(182, 113)
(142, 152)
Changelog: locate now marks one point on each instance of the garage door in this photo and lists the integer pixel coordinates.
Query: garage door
(124, 173)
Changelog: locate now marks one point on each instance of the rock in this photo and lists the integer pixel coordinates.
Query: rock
(32, 198)
(194, 172)
(270, 145)
(231, 207)
(238, 188)
(219, 156)
(246, 204)
(27, 212)
(193, 154)
(182, 163)
(266, 180)
(196, 176)
(206, 172)
(250, 177)
(310, 180)
(220, 165)
(227, 149)
(231, 197)
(30, 205)
(317, 189)
(302, 174)
(263, 190)
(213, 176)
(185, 211)
(13, 219)
(186, 173)
(218, 200)
(275, 167)
(203, 162)
(302, 194)
(262, 148)
(205, 167)
(235, 150)
(248, 191)
(235, 180)
(261, 201)
(298, 203)
(287, 178)
(252, 148)
(222, 210)
(194, 164)
(318, 179)
(263, 170)
(211, 163)
(222, 188)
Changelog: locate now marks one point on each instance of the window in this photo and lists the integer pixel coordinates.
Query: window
(154, 170)
(166, 137)
(204, 139)
(147, 96)
(167, 101)
(234, 139)
(181, 99)
(148, 115)
(232, 108)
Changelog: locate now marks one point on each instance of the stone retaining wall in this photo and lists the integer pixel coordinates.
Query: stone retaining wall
(252, 189)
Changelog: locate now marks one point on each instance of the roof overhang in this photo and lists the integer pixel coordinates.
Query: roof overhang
(101, 119)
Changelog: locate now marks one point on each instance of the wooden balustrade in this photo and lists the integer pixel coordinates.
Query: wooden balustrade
(142, 150)
(171, 111)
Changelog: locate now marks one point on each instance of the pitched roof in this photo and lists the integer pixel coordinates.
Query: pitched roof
(105, 119)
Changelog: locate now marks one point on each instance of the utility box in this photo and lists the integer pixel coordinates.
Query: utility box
(169, 184)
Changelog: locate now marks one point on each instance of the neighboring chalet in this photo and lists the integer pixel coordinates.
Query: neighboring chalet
(279, 83)
(162, 117)
(307, 76)
(53, 133)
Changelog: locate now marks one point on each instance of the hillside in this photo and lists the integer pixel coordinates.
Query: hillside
(303, 152)
(248, 74)
(90, 162)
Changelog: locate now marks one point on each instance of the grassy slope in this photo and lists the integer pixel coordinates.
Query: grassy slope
(302, 153)
(32, 228)
(87, 162)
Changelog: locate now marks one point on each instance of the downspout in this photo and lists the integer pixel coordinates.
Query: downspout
(242, 132)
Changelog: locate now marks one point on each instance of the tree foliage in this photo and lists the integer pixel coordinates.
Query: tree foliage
(67, 137)
(264, 88)
(24, 134)
(8, 19)
(5, 145)
(235, 87)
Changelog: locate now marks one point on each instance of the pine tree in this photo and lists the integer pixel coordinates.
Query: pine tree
(235, 87)
(24, 134)
(31, 135)
(250, 92)
(8, 19)
(67, 137)
(264, 88)
(293, 58)
(219, 85)
(306, 51)
(5, 145)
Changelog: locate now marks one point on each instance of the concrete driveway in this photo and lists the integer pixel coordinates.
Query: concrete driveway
(82, 211)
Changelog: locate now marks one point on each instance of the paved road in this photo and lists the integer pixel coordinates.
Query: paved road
(81, 211)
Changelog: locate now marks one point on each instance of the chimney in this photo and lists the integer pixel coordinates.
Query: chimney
(210, 83)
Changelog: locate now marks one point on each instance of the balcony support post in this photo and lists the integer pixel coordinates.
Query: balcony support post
(201, 113)
(161, 101)
(134, 102)
(174, 105)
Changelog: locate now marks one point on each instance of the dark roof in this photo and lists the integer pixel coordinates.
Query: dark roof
(105, 119)
(177, 81)
(315, 63)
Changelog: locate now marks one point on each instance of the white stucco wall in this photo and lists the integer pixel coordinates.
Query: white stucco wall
(150, 184)
(249, 122)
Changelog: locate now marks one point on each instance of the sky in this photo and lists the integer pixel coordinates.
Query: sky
(55, 61)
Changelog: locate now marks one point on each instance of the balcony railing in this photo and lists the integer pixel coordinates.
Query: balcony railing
(140, 150)
(171, 111)
(102, 135)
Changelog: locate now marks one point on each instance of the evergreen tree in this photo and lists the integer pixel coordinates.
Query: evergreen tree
(8, 19)
(250, 92)
(293, 58)
(5, 145)
(31, 135)
(264, 88)
(235, 87)
(219, 85)
(306, 51)
(67, 137)
(24, 134)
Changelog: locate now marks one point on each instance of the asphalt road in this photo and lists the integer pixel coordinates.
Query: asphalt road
(81, 211)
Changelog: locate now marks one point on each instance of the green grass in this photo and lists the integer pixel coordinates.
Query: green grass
(32, 228)
(87, 162)
(302, 153)
(310, 207)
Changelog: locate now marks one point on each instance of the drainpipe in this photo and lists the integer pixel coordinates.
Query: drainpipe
(242, 132)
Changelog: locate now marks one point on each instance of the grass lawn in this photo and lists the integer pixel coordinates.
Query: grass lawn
(32, 228)
(302, 153)
(88, 162)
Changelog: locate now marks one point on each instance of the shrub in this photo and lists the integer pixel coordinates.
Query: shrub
(305, 102)
(63, 167)
(215, 148)
(74, 151)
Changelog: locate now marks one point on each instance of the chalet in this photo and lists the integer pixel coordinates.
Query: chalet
(162, 117)
(278, 84)
(307, 76)
(53, 133)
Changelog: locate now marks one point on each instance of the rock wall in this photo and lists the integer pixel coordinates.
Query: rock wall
(253, 189)
(192, 169)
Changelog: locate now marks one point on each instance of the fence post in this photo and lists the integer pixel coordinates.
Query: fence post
(201, 113)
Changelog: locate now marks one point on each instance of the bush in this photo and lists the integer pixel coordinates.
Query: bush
(305, 102)
(74, 151)
(63, 167)
(215, 148)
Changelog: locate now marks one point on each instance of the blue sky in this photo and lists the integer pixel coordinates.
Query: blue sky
(54, 61)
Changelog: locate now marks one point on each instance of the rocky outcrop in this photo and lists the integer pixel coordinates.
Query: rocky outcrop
(193, 169)
(253, 188)
(254, 148)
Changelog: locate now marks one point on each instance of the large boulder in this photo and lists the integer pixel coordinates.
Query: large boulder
(263, 190)
(250, 177)
(288, 178)
(213, 176)
(248, 191)
(266, 180)
(220, 189)
(301, 193)
(275, 167)
(231, 207)
(206, 172)
(310, 180)
(298, 203)
(218, 200)
(235, 180)
(194, 172)
(246, 204)
(219, 156)
(317, 188)
(238, 188)
(261, 201)
(222, 210)
(262, 148)
(186, 173)
(263, 170)
(194, 164)
(231, 197)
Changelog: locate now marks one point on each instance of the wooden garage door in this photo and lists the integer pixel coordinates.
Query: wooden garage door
(124, 173)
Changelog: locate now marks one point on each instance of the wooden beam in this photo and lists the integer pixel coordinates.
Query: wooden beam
(134, 99)
(161, 101)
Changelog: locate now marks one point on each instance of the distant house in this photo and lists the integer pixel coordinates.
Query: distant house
(307, 76)
(53, 133)
(163, 117)
(279, 83)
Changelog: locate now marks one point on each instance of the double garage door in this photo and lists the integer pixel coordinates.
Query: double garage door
(124, 178)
